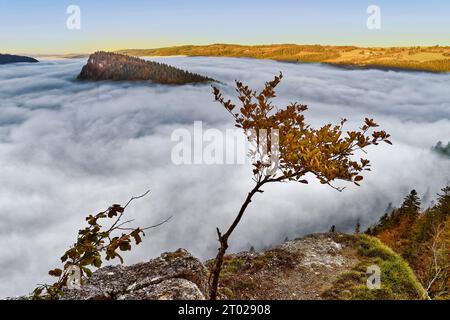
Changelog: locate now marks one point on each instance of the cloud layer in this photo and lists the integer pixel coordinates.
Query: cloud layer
(68, 149)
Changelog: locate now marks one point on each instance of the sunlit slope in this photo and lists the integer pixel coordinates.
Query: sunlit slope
(434, 59)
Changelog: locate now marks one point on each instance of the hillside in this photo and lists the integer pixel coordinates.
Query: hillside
(442, 149)
(422, 238)
(433, 59)
(9, 58)
(117, 67)
(320, 266)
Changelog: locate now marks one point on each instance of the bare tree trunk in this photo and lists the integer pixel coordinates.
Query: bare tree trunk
(437, 269)
(223, 240)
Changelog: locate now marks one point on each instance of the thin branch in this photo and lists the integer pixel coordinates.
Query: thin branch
(123, 223)
(135, 198)
(143, 229)
(438, 270)
(157, 225)
(126, 205)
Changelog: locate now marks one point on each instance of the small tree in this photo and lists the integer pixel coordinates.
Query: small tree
(326, 153)
(436, 283)
(411, 205)
(443, 202)
(92, 243)
(357, 227)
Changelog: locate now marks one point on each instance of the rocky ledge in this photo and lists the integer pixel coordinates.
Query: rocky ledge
(173, 276)
(319, 266)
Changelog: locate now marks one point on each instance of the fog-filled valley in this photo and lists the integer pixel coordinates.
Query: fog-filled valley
(71, 148)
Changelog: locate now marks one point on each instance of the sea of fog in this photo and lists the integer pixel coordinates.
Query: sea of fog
(68, 149)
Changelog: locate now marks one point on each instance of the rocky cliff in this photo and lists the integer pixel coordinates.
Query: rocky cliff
(320, 266)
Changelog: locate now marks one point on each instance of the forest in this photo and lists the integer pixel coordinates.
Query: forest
(117, 67)
(422, 238)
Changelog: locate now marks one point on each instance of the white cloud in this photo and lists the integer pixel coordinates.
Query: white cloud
(68, 149)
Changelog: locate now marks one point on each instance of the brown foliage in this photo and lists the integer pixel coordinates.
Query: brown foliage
(396, 237)
(326, 153)
(423, 239)
(92, 242)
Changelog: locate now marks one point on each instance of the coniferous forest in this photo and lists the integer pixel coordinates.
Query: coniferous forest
(422, 238)
(117, 67)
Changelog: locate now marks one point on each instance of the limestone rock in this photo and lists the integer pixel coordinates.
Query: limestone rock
(174, 275)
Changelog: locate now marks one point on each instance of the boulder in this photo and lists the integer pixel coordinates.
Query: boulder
(172, 276)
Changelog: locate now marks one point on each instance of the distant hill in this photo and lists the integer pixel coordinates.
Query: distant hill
(9, 58)
(63, 56)
(432, 59)
(118, 67)
(442, 149)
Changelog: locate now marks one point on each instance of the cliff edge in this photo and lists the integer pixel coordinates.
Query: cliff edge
(320, 266)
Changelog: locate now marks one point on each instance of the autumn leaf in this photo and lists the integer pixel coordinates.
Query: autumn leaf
(55, 272)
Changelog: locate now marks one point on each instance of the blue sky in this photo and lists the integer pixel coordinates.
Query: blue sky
(40, 26)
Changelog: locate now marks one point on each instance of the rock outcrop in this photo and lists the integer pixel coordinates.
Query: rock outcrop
(319, 266)
(296, 269)
(9, 58)
(117, 67)
(172, 276)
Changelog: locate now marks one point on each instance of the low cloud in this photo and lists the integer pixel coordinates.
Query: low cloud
(68, 149)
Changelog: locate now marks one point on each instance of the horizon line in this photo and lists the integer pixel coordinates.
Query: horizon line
(220, 43)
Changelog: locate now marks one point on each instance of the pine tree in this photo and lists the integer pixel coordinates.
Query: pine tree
(443, 202)
(411, 205)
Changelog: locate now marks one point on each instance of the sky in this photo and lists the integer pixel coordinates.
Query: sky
(40, 26)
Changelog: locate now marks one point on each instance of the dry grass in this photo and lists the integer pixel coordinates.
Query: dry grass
(432, 59)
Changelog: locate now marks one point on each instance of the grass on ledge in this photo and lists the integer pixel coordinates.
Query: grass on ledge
(398, 281)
